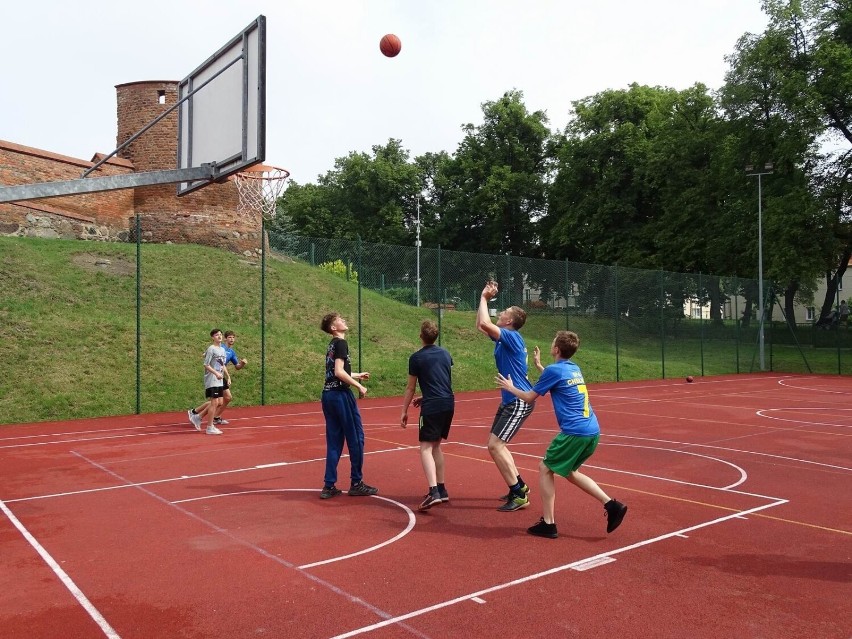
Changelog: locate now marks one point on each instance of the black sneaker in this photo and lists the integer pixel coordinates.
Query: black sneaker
(444, 496)
(615, 512)
(543, 529)
(330, 491)
(508, 496)
(434, 497)
(362, 490)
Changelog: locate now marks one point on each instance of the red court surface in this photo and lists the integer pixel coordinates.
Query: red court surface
(739, 523)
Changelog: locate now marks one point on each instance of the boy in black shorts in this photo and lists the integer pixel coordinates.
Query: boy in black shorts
(431, 366)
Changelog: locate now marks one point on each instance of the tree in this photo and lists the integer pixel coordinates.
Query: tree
(494, 187)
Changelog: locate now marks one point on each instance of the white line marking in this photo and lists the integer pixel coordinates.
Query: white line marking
(398, 536)
(478, 600)
(551, 571)
(96, 616)
(592, 563)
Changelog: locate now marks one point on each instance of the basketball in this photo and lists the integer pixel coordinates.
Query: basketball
(390, 45)
(689, 379)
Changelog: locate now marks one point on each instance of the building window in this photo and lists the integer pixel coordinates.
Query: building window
(696, 312)
(161, 96)
(809, 313)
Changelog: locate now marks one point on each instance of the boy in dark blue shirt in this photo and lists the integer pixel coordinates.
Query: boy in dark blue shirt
(432, 367)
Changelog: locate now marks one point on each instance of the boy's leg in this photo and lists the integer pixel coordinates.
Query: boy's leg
(212, 406)
(427, 458)
(588, 485)
(354, 432)
(226, 399)
(547, 485)
(333, 436)
(438, 456)
(503, 459)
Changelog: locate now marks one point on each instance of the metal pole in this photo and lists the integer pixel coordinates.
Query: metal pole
(417, 244)
(761, 310)
(767, 170)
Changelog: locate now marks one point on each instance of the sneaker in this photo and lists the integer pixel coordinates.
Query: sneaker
(212, 430)
(362, 490)
(515, 503)
(194, 419)
(615, 512)
(444, 496)
(509, 495)
(330, 491)
(432, 498)
(220, 422)
(543, 529)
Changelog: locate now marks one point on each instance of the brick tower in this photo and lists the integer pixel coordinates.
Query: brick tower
(207, 216)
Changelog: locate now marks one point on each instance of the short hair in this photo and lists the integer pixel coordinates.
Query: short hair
(214, 331)
(327, 321)
(428, 332)
(567, 342)
(519, 317)
(230, 334)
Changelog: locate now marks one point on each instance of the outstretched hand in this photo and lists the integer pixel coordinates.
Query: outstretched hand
(490, 290)
(504, 382)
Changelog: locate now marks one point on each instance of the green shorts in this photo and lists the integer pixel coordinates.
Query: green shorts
(567, 453)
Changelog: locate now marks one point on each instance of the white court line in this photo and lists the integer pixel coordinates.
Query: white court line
(154, 482)
(398, 536)
(732, 450)
(96, 616)
(765, 413)
(550, 571)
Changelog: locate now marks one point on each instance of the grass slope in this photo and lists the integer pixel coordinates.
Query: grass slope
(68, 312)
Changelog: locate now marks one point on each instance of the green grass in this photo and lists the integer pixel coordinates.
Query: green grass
(69, 328)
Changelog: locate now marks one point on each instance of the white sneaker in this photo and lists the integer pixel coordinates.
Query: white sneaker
(220, 422)
(212, 430)
(194, 419)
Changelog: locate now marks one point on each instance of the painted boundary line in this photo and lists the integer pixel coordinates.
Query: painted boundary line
(552, 571)
(96, 616)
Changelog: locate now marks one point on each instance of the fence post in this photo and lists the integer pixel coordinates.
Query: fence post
(701, 341)
(263, 309)
(662, 324)
(360, 318)
(617, 319)
(568, 289)
(138, 314)
(738, 321)
(440, 296)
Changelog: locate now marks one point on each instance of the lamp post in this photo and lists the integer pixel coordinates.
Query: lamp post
(750, 171)
(417, 244)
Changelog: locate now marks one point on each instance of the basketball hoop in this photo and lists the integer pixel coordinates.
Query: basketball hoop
(259, 188)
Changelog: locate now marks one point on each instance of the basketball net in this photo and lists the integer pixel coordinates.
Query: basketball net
(259, 188)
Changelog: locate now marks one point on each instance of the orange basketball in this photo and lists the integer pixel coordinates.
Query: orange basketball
(390, 45)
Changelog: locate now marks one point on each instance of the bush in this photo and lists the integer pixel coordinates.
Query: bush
(337, 267)
(402, 294)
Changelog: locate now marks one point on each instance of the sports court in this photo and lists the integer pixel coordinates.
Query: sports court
(739, 523)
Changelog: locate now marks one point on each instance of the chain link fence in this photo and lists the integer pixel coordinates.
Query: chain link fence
(143, 310)
(673, 324)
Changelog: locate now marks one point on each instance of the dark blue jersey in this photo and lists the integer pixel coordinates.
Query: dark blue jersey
(432, 366)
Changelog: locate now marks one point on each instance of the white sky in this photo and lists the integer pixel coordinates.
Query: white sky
(329, 89)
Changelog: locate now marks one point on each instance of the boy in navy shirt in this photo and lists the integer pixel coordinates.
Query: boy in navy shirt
(432, 367)
(578, 432)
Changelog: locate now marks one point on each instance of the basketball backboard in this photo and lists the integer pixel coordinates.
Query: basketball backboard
(222, 109)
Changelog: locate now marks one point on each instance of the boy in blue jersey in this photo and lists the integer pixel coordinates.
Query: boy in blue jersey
(578, 432)
(510, 355)
(230, 358)
(432, 367)
(342, 418)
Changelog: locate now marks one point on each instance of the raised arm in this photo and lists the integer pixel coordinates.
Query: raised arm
(483, 320)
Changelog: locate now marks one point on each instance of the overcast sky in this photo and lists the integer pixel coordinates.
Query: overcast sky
(329, 89)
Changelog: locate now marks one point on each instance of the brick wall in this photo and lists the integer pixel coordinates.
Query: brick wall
(207, 216)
